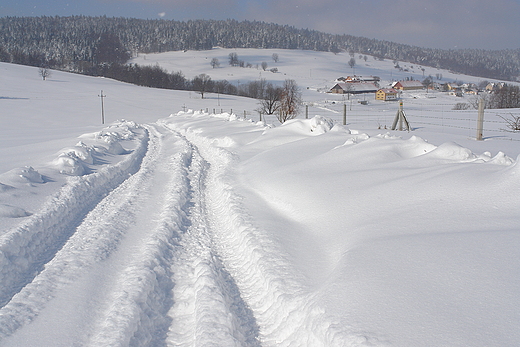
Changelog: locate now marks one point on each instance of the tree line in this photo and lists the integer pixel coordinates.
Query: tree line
(283, 101)
(66, 42)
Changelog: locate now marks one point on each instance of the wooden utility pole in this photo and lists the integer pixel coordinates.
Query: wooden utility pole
(102, 107)
(401, 118)
(480, 121)
(344, 114)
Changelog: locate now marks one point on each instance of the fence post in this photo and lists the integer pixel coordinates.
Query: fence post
(344, 114)
(480, 121)
(306, 111)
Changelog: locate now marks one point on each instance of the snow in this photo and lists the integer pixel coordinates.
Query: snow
(175, 225)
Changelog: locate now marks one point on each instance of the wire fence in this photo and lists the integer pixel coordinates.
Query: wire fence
(495, 125)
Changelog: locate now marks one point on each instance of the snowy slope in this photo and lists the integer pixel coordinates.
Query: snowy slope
(194, 228)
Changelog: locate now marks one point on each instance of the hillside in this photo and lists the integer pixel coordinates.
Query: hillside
(77, 43)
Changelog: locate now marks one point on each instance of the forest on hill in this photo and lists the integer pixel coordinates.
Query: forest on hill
(82, 43)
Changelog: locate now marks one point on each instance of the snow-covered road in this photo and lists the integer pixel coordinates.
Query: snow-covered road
(210, 230)
(155, 250)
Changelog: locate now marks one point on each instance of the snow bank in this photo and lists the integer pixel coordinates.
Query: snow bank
(75, 161)
(27, 247)
(286, 313)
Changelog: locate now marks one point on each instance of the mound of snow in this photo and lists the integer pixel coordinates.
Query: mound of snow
(453, 151)
(69, 163)
(320, 125)
(9, 211)
(26, 174)
(82, 151)
(315, 126)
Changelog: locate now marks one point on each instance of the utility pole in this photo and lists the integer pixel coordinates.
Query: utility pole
(401, 118)
(344, 114)
(102, 108)
(480, 121)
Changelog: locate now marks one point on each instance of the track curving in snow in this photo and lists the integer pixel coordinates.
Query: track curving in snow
(286, 313)
(157, 251)
(141, 255)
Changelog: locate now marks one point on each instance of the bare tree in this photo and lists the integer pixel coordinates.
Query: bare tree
(476, 99)
(275, 57)
(352, 62)
(427, 82)
(290, 101)
(270, 101)
(264, 65)
(44, 72)
(233, 59)
(506, 97)
(513, 123)
(215, 63)
(256, 89)
(202, 84)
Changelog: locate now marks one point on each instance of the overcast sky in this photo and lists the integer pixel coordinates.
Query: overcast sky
(487, 24)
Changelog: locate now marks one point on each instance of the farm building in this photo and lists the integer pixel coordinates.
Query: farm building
(386, 94)
(408, 85)
(353, 88)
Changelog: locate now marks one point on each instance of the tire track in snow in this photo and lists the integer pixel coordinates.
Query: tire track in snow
(93, 241)
(127, 243)
(25, 249)
(208, 310)
(286, 313)
(110, 234)
(140, 297)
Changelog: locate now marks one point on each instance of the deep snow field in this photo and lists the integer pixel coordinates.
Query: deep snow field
(188, 222)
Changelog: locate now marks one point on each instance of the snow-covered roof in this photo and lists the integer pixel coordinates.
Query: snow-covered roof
(357, 87)
(388, 90)
(410, 84)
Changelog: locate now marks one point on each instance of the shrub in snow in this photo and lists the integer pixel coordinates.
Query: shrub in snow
(30, 175)
(23, 175)
(321, 124)
(68, 163)
(113, 145)
(82, 151)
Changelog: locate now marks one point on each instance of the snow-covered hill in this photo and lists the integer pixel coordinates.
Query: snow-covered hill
(173, 225)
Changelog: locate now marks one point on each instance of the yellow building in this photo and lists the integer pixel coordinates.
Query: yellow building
(386, 94)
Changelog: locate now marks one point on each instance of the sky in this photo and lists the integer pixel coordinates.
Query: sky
(444, 24)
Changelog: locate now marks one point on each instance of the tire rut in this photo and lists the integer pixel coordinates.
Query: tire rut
(208, 309)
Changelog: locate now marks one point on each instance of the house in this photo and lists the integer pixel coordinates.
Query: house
(353, 88)
(387, 94)
(408, 85)
(493, 87)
